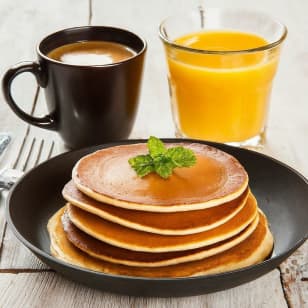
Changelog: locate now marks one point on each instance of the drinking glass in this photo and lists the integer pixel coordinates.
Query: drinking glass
(221, 95)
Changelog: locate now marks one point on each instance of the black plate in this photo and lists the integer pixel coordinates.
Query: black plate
(282, 194)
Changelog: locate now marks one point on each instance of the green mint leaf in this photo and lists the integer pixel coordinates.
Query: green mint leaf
(163, 166)
(142, 164)
(162, 160)
(181, 156)
(156, 147)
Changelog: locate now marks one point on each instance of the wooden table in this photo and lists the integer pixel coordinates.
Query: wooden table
(24, 280)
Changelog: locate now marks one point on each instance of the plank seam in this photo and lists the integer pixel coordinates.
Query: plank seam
(2, 239)
(90, 14)
(24, 270)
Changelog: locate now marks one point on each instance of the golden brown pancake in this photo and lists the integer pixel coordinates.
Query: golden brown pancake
(103, 251)
(106, 176)
(161, 223)
(131, 239)
(250, 251)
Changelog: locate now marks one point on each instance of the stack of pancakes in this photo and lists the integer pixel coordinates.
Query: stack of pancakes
(201, 220)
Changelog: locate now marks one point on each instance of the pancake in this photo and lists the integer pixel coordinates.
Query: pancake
(161, 223)
(131, 239)
(250, 251)
(106, 176)
(103, 251)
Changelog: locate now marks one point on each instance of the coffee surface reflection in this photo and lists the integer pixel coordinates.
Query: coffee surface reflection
(91, 53)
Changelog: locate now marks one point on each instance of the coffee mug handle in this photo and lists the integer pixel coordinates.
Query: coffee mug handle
(46, 121)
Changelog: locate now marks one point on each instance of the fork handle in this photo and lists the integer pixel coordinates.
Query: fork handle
(5, 184)
(8, 177)
(25, 67)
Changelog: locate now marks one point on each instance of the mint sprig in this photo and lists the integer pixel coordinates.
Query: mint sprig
(162, 160)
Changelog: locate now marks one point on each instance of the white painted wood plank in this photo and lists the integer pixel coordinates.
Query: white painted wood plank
(16, 256)
(13, 253)
(22, 26)
(2, 223)
(295, 277)
(50, 290)
(286, 137)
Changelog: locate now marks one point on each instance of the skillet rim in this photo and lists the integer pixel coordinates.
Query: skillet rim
(271, 262)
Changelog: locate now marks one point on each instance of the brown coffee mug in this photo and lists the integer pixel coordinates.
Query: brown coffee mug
(90, 104)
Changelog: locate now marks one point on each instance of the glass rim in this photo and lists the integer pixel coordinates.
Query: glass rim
(164, 38)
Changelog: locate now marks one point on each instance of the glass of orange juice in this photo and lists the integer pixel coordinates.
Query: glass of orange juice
(221, 65)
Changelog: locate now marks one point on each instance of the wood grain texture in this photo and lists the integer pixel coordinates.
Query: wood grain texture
(28, 24)
(51, 290)
(35, 148)
(22, 25)
(2, 224)
(295, 277)
(16, 256)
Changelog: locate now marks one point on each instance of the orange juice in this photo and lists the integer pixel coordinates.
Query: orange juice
(222, 96)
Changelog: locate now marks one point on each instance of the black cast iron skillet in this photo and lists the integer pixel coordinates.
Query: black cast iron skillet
(282, 194)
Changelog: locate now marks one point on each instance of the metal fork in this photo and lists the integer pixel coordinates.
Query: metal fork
(9, 176)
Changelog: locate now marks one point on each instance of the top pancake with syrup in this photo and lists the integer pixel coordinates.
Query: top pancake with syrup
(106, 176)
